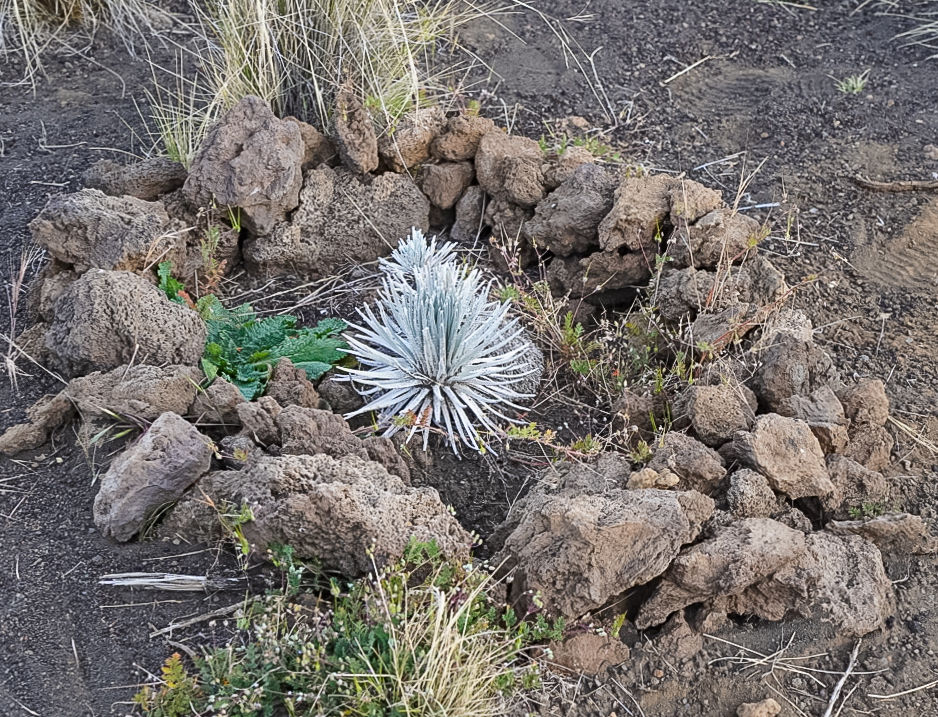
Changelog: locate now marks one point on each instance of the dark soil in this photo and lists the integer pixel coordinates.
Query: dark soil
(868, 258)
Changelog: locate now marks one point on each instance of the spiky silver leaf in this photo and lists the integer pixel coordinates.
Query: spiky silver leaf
(415, 253)
(437, 350)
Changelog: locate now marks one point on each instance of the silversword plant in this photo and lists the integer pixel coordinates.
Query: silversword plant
(435, 351)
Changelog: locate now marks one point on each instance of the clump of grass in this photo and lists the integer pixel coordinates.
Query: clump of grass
(558, 142)
(296, 53)
(854, 84)
(424, 636)
(924, 33)
(181, 109)
(30, 27)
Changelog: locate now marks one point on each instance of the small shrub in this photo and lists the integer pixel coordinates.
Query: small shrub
(176, 697)
(425, 636)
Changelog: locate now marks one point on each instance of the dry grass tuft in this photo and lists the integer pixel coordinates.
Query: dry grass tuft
(296, 53)
(28, 28)
(924, 15)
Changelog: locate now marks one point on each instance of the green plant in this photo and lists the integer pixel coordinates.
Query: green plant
(424, 636)
(244, 348)
(168, 284)
(854, 84)
(178, 694)
(587, 445)
(866, 510)
(559, 142)
(641, 453)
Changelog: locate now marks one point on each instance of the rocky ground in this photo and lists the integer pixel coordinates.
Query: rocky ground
(782, 516)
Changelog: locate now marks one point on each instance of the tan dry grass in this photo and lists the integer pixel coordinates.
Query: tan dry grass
(30, 28)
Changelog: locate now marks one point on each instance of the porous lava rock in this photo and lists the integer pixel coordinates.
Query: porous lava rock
(698, 466)
(579, 543)
(792, 367)
(107, 319)
(589, 653)
(596, 278)
(445, 183)
(460, 137)
(341, 220)
(866, 403)
(259, 421)
(786, 452)
(340, 396)
(354, 132)
(854, 485)
(766, 708)
(141, 391)
(217, 404)
(559, 167)
(899, 533)
(720, 238)
(53, 281)
(677, 639)
(290, 386)
(716, 412)
(750, 495)
(91, 229)
(469, 210)
(641, 207)
(153, 472)
(317, 148)
(839, 579)
(567, 220)
(736, 557)
(690, 200)
(147, 179)
(251, 161)
(343, 512)
(870, 446)
(408, 144)
(43, 417)
(510, 167)
(507, 221)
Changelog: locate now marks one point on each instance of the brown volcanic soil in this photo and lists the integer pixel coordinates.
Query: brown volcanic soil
(766, 91)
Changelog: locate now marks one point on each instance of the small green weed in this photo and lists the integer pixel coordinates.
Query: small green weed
(642, 452)
(558, 142)
(854, 84)
(176, 697)
(866, 510)
(243, 348)
(169, 284)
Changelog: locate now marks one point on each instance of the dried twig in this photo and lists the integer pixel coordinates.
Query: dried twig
(835, 695)
(915, 437)
(220, 612)
(170, 581)
(903, 185)
(926, 686)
